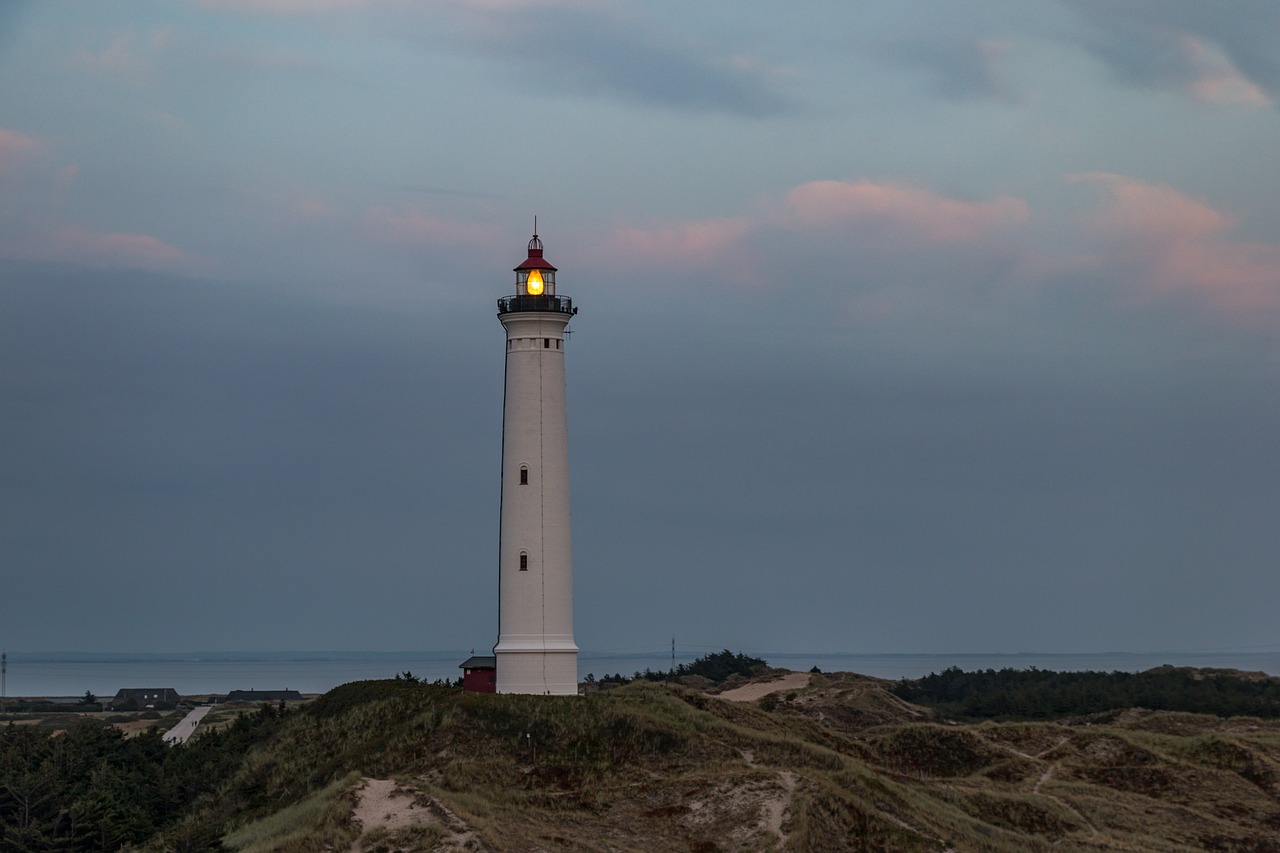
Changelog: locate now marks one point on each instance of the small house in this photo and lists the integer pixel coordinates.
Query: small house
(264, 696)
(480, 674)
(137, 698)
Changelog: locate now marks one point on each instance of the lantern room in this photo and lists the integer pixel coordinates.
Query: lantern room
(535, 286)
(535, 277)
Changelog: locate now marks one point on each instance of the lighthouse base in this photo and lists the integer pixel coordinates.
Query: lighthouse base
(541, 671)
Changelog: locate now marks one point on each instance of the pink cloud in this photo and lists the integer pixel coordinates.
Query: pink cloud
(13, 147)
(1154, 214)
(1175, 243)
(416, 227)
(706, 240)
(67, 174)
(884, 217)
(914, 212)
(313, 209)
(1216, 79)
(113, 249)
(698, 244)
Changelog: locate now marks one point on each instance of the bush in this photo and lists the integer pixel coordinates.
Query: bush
(341, 699)
(710, 670)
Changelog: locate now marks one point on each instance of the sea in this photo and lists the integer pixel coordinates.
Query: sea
(71, 674)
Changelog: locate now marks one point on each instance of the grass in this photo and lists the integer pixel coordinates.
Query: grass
(657, 767)
(321, 820)
(131, 722)
(418, 837)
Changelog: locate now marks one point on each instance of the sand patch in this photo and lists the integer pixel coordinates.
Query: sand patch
(752, 692)
(393, 817)
(381, 804)
(776, 809)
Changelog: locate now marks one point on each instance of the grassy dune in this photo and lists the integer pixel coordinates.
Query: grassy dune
(840, 765)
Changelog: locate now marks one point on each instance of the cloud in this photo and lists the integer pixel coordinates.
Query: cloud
(960, 69)
(910, 211)
(136, 58)
(866, 249)
(285, 7)
(129, 57)
(13, 147)
(593, 49)
(707, 240)
(581, 47)
(269, 59)
(906, 215)
(1217, 81)
(1201, 50)
(907, 248)
(416, 227)
(1176, 244)
(34, 231)
(140, 251)
(314, 209)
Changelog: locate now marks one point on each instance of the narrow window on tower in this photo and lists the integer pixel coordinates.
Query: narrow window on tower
(546, 343)
(524, 475)
(524, 561)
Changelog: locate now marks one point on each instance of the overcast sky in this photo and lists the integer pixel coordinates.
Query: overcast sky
(904, 327)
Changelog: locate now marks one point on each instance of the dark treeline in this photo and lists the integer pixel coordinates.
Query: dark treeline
(90, 787)
(717, 667)
(1034, 694)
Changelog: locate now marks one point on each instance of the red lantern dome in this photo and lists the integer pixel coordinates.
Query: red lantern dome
(535, 277)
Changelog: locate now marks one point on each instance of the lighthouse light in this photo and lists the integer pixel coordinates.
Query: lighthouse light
(534, 284)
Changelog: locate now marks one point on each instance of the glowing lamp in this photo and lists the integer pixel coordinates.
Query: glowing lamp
(534, 284)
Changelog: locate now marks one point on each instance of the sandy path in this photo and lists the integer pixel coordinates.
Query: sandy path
(752, 692)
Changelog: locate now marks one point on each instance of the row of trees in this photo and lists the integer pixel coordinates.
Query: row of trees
(439, 682)
(91, 788)
(1043, 694)
(717, 667)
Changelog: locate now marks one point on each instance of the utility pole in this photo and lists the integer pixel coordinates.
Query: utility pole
(4, 677)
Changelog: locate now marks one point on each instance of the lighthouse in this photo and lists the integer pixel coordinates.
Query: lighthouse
(535, 652)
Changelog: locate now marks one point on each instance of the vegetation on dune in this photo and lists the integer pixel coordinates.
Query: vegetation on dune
(655, 766)
(321, 819)
(91, 787)
(1033, 694)
(843, 764)
(710, 669)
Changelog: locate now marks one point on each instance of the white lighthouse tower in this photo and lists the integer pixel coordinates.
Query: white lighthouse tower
(535, 651)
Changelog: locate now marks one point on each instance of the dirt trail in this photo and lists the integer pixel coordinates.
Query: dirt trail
(1047, 775)
(776, 808)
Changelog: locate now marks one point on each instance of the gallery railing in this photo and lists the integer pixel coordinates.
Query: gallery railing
(555, 304)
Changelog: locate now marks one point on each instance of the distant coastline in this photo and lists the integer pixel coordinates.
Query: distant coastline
(212, 656)
(71, 673)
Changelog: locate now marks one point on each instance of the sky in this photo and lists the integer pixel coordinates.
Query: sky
(915, 327)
